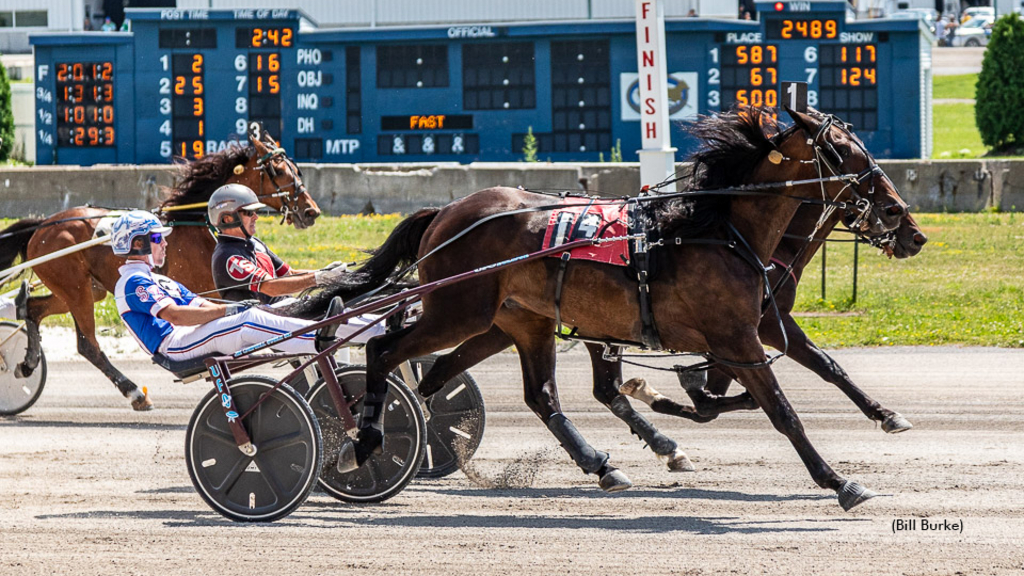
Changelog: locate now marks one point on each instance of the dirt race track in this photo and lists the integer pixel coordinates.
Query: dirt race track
(90, 487)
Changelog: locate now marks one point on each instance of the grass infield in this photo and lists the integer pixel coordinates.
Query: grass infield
(963, 288)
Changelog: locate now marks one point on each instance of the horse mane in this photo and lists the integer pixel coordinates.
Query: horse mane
(196, 180)
(732, 144)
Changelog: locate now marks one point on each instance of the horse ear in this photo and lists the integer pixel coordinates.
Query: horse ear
(805, 121)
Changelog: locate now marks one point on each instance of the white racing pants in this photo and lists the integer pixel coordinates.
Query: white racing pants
(253, 326)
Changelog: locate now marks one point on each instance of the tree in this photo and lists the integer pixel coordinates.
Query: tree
(530, 146)
(999, 111)
(6, 116)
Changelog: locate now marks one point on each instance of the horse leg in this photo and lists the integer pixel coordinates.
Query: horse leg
(534, 337)
(808, 355)
(39, 307)
(763, 386)
(706, 406)
(607, 380)
(83, 312)
(468, 354)
(434, 331)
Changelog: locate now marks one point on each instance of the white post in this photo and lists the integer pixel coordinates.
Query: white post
(657, 158)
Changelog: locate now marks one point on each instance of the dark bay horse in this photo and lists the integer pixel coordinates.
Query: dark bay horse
(707, 297)
(79, 280)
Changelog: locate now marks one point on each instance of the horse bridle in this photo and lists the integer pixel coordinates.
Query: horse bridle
(290, 199)
(856, 217)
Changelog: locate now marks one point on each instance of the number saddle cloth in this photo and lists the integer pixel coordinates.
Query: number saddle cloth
(582, 220)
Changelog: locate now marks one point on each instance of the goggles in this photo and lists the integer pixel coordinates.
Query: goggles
(156, 238)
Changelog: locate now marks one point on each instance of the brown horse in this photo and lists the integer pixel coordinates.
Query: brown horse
(707, 296)
(79, 280)
(791, 257)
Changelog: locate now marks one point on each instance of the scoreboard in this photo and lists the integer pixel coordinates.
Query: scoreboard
(185, 83)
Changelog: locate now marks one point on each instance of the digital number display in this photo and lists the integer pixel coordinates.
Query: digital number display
(750, 75)
(849, 83)
(427, 122)
(801, 29)
(265, 90)
(85, 104)
(188, 105)
(257, 37)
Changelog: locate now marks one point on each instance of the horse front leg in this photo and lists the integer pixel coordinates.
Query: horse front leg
(808, 355)
(607, 382)
(763, 386)
(535, 339)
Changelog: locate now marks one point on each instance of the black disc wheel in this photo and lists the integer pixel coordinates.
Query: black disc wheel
(289, 452)
(455, 420)
(383, 475)
(17, 394)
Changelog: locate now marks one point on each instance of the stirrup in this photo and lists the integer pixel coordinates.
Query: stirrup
(325, 335)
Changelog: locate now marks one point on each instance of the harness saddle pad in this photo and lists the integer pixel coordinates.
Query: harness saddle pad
(583, 222)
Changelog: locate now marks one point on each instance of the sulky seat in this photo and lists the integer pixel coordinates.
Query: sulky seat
(184, 370)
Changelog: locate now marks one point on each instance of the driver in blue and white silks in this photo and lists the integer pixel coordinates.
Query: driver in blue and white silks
(166, 318)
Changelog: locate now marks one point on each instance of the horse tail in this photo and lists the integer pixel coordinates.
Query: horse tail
(14, 240)
(400, 249)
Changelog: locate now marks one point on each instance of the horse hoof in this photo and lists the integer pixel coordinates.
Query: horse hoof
(851, 494)
(678, 462)
(347, 461)
(629, 387)
(614, 481)
(896, 423)
(22, 371)
(142, 404)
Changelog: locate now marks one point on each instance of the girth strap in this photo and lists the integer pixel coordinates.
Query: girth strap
(648, 330)
(563, 263)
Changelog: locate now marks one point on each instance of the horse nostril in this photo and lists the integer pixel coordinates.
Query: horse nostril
(920, 239)
(312, 213)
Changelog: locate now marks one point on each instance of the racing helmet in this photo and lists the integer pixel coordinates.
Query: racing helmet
(132, 225)
(227, 201)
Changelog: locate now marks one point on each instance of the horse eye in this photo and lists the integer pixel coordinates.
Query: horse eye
(844, 152)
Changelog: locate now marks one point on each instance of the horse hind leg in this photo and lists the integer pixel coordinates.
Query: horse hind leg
(39, 307)
(607, 378)
(534, 338)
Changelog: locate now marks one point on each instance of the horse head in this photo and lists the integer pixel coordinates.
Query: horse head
(277, 180)
(875, 208)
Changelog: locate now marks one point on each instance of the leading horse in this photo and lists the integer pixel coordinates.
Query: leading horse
(707, 298)
(79, 280)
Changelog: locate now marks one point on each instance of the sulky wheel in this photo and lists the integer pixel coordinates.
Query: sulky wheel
(383, 475)
(455, 421)
(17, 394)
(289, 452)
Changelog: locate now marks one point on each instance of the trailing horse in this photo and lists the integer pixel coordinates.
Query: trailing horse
(707, 297)
(78, 280)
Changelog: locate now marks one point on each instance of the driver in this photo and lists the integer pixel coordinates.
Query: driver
(166, 318)
(243, 267)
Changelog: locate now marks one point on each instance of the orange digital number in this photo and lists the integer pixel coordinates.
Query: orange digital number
(286, 37)
(787, 29)
(77, 72)
(274, 36)
(179, 85)
(62, 72)
(274, 62)
(197, 63)
(756, 79)
(816, 29)
(107, 71)
(197, 84)
(275, 84)
(741, 55)
(94, 135)
(197, 106)
(801, 27)
(79, 136)
(257, 37)
(197, 148)
(830, 29)
(869, 75)
(108, 135)
(202, 128)
(871, 50)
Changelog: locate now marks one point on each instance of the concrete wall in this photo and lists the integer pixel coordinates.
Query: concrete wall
(928, 186)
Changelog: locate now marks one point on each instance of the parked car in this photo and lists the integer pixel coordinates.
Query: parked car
(926, 15)
(975, 11)
(973, 33)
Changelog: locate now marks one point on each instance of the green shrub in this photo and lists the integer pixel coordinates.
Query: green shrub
(999, 111)
(6, 116)
(530, 146)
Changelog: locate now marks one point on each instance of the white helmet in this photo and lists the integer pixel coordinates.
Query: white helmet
(133, 225)
(227, 201)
